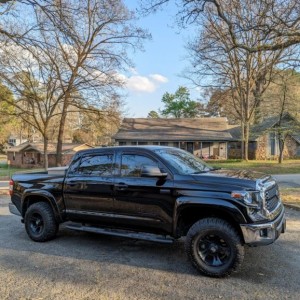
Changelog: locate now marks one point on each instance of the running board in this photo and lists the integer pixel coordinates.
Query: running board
(123, 233)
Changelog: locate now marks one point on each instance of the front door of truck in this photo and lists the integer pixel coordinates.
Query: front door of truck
(88, 187)
(145, 202)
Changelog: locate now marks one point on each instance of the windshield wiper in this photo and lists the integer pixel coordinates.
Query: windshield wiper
(198, 172)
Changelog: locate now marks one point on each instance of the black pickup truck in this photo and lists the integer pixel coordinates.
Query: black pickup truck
(158, 194)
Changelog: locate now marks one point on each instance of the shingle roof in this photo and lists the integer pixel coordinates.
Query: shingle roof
(259, 129)
(39, 147)
(205, 129)
(296, 137)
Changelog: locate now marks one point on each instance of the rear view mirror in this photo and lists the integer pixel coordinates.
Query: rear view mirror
(152, 171)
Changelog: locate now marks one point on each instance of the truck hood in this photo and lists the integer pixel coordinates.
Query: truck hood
(230, 179)
(239, 174)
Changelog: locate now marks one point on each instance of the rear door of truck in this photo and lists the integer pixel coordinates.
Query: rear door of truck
(88, 187)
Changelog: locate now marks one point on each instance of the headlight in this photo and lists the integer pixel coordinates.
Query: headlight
(254, 202)
(249, 198)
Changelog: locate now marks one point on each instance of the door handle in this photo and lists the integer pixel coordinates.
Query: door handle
(72, 183)
(120, 186)
(79, 185)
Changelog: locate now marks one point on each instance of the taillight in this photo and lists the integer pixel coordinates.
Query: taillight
(11, 186)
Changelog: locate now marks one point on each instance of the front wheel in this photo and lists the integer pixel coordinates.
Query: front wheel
(40, 222)
(214, 247)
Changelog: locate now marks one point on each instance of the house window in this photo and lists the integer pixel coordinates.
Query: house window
(272, 139)
(122, 143)
(164, 143)
(190, 147)
(235, 145)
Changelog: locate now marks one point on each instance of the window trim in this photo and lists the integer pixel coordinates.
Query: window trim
(74, 173)
(147, 154)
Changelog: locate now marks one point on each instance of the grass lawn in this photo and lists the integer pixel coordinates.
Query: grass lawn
(268, 167)
(290, 195)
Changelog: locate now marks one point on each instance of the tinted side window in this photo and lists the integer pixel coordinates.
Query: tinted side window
(132, 164)
(97, 165)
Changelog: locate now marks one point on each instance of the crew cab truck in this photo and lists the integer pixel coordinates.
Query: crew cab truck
(154, 193)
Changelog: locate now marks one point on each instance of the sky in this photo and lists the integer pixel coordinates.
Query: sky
(157, 69)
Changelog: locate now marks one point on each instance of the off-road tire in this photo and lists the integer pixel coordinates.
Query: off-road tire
(214, 247)
(40, 223)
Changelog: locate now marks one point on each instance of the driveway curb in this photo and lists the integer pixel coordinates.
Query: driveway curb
(293, 206)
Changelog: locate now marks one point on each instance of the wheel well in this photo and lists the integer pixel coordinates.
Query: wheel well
(190, 216)
(34, 199)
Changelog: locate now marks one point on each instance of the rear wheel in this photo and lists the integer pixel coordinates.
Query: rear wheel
(214, 247)
(40, 222)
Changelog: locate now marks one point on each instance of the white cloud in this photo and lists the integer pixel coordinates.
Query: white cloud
(159, 78)
(145, 84)
(133, 71)
(140, 84)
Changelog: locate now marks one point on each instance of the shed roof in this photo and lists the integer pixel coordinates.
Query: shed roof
(39, 147)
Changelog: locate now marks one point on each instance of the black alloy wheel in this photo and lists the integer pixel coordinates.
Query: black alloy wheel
(36, 223)
(213, 250)
(214, 247)
(40, 222)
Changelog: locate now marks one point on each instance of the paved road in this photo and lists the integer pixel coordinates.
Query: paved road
(288, 180)
(87, 266)
(3, 184)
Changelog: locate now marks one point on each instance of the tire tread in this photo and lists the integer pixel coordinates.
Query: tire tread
(51, 226)
(215, 224)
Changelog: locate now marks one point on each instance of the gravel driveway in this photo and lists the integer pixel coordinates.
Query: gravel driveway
(88, 266)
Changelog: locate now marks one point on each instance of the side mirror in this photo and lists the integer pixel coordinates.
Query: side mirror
(151, 171)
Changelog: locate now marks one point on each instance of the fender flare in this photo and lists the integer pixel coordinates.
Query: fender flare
(45, 195)
(219, 205)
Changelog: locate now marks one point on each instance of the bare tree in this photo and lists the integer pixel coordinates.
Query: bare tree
(86, 42)
(244, 74)
(37, 92)
(282, 101)
(238, 46)
(278, 21)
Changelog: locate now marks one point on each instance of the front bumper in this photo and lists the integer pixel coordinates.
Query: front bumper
(264, 234)
(13, 209)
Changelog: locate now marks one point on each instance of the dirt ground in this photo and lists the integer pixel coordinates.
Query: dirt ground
(87, 266)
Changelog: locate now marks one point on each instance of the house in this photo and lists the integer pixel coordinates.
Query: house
(32, 154)
(5, 146)
(205, 137)
(264, 142)
(16, 141)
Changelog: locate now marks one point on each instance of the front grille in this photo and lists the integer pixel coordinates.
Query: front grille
(272, 198)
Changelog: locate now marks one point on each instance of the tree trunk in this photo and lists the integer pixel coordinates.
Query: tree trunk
(242, 140)
(61, 135)
(246, 137)
(46, 152)
(281, 148)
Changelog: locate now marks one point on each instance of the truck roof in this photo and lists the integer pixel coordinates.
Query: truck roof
(142, 147)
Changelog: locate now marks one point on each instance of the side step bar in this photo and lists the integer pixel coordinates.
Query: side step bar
(123, 233)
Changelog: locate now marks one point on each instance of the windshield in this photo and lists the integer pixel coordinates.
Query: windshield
(184, 162)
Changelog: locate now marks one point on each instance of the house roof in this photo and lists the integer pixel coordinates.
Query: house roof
(39, 147)
(160, 129)
(259, 129)
(297, 137)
